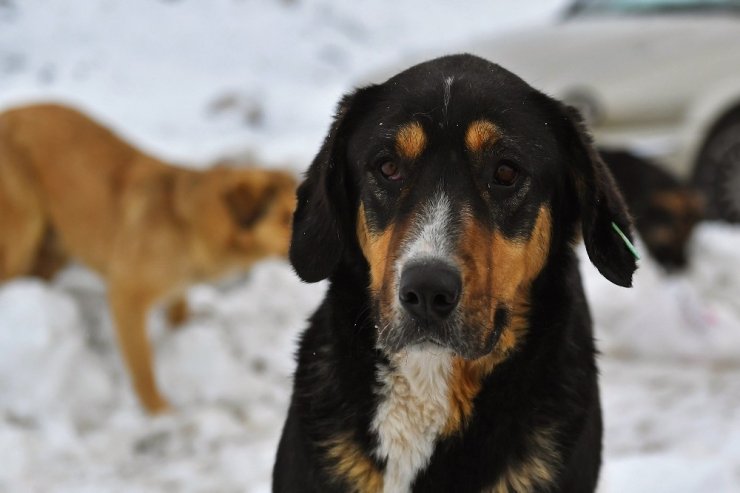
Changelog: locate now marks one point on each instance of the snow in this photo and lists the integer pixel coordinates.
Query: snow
(65, 405)
(194, 81)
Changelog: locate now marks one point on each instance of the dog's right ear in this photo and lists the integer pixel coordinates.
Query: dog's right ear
(322, 222)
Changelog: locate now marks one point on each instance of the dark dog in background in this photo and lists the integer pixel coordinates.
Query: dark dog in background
(665, 210)
(454, 349)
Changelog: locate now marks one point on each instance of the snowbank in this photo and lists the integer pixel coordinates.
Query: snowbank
(66, 407)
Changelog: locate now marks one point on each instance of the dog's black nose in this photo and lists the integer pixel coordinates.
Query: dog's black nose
(429, 291)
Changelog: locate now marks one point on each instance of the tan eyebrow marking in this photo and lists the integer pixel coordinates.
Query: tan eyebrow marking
(411, 140)
(481, 133)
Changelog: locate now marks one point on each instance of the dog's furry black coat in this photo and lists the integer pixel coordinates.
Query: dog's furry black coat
(546, 382)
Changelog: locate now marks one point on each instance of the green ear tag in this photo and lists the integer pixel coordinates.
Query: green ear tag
(626, 241)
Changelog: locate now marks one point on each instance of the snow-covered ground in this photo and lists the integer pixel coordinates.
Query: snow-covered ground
(193, 81)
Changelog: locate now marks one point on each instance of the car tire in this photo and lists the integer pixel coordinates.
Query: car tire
(717, 172)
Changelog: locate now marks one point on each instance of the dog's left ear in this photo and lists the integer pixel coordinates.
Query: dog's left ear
(322, 223)
(601, 205)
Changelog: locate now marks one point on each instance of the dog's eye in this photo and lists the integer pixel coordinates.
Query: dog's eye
(390, 171)
(505, 174)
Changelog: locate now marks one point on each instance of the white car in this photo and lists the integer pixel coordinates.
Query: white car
(659, 77)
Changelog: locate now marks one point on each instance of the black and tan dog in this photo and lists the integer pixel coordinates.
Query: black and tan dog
(454, 349)
(665, 210)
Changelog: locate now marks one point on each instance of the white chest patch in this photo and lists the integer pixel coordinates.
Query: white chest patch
(413, 410)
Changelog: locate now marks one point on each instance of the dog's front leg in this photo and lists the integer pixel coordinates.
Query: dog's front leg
(129, 308)
(178, 311)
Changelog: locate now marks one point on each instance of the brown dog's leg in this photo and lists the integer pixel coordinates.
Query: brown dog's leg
(129, 316)
(50, 257)
(177, 312)
(22, 231)
(21, 220)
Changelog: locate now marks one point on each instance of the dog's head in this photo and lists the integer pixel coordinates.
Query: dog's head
(242, 214)
(667, 221)
(664, 209)
(454, 181)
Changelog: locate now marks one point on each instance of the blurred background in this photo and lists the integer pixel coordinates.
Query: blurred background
(193, 82)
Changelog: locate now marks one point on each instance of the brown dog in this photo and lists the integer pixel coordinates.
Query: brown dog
(69, 186)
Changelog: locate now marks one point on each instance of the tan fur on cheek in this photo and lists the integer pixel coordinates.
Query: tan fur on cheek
(499, 274)
(351, 465)
(480, 134)
(515, 265)
(381, 251)
(411, 140)
(375, 249)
